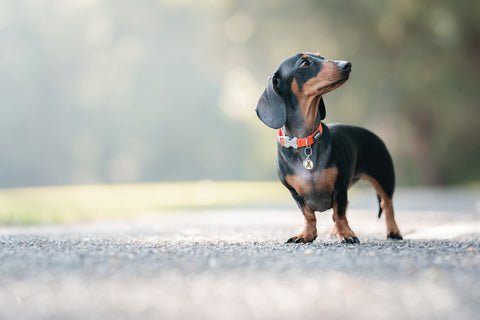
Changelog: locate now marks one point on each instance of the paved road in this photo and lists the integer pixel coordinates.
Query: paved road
(232, 264)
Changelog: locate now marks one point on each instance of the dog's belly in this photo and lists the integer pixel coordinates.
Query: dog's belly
(319, 200)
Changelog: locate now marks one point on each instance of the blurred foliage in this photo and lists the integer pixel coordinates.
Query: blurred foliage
(99, 91)
(70, 204)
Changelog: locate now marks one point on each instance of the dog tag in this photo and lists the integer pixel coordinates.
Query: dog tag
(308, 164)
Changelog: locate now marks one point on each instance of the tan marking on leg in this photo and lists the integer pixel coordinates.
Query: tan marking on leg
(342, 229)
(309, 232)
(301, 186)
(310, 228)
(392, 229)
(386, 205)
(327, 179)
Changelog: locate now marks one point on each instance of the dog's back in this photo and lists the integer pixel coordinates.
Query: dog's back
(365, 153)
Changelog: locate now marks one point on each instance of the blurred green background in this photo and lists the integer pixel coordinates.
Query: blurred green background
(118, 91)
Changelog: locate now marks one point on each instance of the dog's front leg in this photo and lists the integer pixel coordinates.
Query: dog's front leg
(309, 232)
(343, 231)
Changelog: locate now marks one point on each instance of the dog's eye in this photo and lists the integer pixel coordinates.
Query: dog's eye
(305, 64)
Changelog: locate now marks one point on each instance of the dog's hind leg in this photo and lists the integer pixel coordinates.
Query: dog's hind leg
(386, 205)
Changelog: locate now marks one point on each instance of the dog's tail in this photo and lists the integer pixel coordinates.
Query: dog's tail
(379, 206)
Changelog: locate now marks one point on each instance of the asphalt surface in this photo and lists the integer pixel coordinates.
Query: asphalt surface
(233, 264)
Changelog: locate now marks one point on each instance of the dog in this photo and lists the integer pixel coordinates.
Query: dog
(318, 163)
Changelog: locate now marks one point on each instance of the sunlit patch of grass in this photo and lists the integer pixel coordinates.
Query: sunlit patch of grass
(69, 204)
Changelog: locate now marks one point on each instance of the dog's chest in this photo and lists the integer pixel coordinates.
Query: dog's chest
(315, 187)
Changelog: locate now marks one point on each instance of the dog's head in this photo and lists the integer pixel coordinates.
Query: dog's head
(298, 81)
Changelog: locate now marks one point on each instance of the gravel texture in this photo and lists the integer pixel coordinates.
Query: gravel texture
(234, 265)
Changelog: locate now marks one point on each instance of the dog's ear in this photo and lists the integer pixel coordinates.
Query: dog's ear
(271, 108)
(321, 109)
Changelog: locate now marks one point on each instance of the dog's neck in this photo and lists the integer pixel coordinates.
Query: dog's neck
(303, 117)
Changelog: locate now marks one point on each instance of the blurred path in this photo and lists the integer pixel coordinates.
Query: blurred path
(232, 264)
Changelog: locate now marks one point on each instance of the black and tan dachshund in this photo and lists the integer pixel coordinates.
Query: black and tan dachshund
(318, 162)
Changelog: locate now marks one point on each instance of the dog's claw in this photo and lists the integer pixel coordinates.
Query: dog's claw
(394, 236)
(301, 238)
(351, 240)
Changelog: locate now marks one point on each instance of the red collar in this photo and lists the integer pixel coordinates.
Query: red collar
(295, 143)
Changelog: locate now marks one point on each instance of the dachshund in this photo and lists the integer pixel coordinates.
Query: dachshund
(316, 162)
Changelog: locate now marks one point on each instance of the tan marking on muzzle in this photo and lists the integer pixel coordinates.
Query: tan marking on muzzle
(328, 75)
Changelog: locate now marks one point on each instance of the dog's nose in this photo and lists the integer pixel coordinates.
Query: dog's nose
(344, 65)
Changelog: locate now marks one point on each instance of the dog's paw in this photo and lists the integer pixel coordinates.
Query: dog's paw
(302, 238)
(346, 235)
(394, 236)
